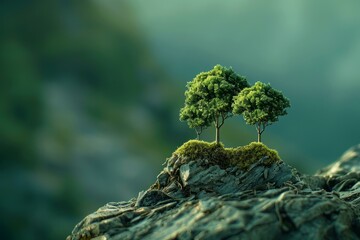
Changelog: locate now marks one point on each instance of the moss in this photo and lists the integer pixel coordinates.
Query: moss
(243, 157)
(196, 150)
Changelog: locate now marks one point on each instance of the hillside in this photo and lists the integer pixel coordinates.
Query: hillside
(197, 199)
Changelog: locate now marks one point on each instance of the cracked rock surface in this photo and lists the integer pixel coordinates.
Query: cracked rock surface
(197, 200)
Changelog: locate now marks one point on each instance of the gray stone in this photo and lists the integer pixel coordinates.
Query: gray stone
(151, 198)
(195, 200)
(163, 178)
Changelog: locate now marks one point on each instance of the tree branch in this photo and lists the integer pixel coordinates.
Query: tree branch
(215, 120)
(228, 115)
(199, 130)
(222, 120)
(264, 124)
(257, 126)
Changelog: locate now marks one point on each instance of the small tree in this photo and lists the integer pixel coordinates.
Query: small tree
(261, 105)
(195, 117)
(213, 92)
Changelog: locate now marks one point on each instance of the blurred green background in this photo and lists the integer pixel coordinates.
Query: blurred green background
(90, 93)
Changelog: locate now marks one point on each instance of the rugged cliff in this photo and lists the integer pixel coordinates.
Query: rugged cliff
(195, 199)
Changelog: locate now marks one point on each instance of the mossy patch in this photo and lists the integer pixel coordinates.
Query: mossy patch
(214, 153)
(199, 150)
(247, 155)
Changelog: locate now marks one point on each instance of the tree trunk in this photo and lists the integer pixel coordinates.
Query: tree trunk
(259, 136)
(198, 135)
(217, 135)
(259, 130)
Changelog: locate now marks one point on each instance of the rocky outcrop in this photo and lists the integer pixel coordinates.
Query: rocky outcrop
(197, 200)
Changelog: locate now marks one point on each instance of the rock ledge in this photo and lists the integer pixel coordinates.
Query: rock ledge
(200, 201)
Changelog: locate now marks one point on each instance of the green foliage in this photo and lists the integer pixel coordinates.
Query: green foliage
(261, 105)
(209, 96)
(242, 157)
(195, 117)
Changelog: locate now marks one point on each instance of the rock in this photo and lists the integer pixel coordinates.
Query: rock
(349, 162)
(151, 198)
(162, 179)
(196, 200)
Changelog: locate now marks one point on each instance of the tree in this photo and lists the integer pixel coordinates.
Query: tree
(260, 105)
(212, 93)
(195, 117)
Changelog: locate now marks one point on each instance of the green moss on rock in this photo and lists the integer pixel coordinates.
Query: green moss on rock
(198, 150)
(242, 157)
(247, 155)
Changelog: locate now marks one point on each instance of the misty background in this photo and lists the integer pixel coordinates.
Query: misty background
(91, 91)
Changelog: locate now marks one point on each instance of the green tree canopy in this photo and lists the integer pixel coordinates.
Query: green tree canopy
(196, 118)
(260, 105)
(211, 93)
